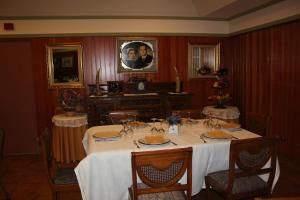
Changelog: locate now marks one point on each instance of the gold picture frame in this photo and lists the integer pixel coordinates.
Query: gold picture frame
(137, 54)
(64, 66)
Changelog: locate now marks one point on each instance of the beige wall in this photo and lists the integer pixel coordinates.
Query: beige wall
(284, 10)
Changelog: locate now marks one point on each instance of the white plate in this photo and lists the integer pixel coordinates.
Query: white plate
(225, 136)
(165, 141)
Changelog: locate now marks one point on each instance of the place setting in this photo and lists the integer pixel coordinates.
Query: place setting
(154, 140)
(112, 135)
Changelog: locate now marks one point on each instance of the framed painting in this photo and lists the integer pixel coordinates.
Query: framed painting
(64, 66)
(136, 54)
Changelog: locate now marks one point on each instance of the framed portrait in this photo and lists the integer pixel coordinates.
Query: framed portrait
(64, 66)
(136, 55)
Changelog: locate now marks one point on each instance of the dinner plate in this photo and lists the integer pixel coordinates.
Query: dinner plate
(107, 134)
(163, 141)
(217, 135)
(230, 125)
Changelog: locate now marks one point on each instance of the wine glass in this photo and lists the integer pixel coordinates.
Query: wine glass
(154, 130)
(161, 130)
(123, 132)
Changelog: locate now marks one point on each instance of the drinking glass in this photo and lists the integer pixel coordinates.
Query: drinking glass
(161, 130)
(154, 130)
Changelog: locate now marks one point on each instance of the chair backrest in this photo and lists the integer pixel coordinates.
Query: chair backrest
(2, 140)
(250, 156)
(46, 150)
(161, 170)
(116, 117)
(185, 113)
(257, 123)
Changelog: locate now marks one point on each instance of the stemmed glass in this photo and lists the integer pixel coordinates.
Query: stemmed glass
(189, 120)
(154, 130)
(124, 129)
(161, 130)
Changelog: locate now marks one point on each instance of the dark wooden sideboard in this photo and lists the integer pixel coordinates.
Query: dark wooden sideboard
(156, 102)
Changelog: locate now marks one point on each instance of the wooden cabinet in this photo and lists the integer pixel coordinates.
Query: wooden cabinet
(153, 100)
(148, 105)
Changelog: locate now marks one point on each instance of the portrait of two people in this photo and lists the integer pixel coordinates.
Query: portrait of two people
(137, 55)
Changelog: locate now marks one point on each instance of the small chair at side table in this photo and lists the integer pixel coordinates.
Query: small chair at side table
(60, 179)
(249, 155)
(160, 172)
(2, 140)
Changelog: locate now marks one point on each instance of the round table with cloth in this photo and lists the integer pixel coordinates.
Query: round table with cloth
(68, 132)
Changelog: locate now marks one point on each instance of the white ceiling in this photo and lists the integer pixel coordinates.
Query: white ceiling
(204, 9)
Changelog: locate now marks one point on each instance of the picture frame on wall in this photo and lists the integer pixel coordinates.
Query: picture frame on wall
(64, 66)
(136, 55)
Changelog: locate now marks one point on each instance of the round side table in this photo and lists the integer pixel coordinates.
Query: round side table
(68, 132)
(229, 113)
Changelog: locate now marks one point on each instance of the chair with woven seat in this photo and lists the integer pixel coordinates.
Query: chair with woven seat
(160, 172)
(116, 117)
(61, 179)
(257, 123)
(188, 113)
(246, 161)
(2, 141)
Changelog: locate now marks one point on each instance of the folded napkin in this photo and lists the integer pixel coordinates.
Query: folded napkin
(106, 139)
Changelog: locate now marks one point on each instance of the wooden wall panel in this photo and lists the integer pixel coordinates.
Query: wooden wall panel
(266, 76)
(17, 102)
(100, 52)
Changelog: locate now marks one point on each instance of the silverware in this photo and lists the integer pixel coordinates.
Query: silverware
(136, 144)
(174, 143)
(201, 137)
(234, 137)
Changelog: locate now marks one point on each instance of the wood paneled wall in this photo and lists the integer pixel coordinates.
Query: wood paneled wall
(265, 68)
(100, 51)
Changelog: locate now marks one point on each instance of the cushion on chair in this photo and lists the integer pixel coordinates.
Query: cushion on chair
(176, 195)
(65, 176)
(240, 185)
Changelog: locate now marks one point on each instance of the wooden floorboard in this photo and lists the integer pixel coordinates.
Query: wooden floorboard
(25, 179)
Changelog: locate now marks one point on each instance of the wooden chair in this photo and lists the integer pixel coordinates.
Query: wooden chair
(278, 198)
(60, 179)
(258, 124)
(2, 141)
(160, 172)
(249, 155)
(185, 113)
(116, 117)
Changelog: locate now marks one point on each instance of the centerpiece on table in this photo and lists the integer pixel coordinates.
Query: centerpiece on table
(174, 123)
(220, 97)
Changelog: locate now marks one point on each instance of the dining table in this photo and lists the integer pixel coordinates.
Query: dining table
(105, 173)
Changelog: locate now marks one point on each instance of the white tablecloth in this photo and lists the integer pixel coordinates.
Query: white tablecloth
(106, 171)
(76, 120)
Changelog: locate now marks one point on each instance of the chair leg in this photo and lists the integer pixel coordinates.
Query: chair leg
(54, 195)
(208, 195)
(6, 194)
